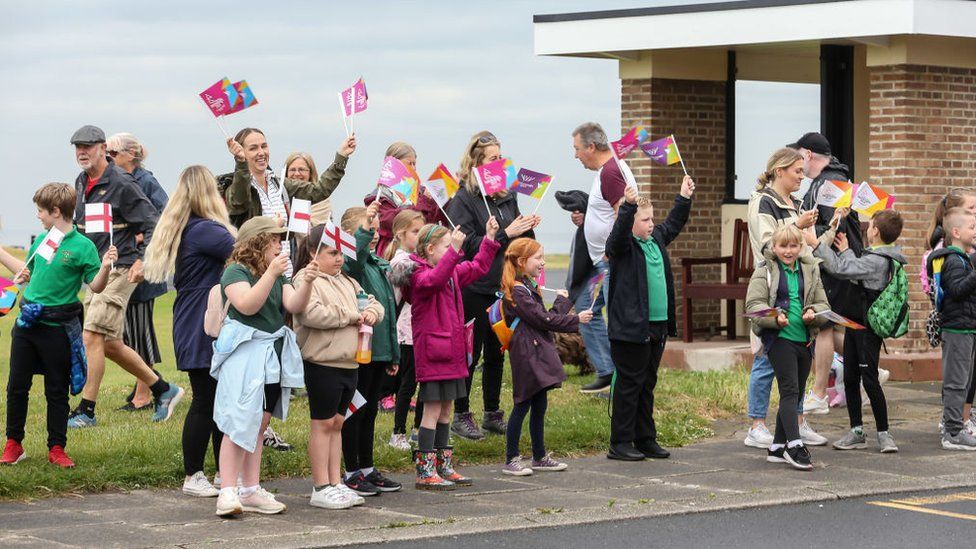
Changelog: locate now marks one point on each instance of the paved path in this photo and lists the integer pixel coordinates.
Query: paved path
(721, 474)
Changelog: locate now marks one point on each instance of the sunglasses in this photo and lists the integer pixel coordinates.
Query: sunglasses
(484, 140)
(113, 154)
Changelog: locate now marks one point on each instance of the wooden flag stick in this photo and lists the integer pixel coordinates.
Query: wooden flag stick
(543, 195)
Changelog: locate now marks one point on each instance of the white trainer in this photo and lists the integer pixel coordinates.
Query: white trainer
(356, 498)
(812, 404)
(262, 501)
(199, 487)
(809, 436)
(228, 503)
(330, 497)
(759, 437)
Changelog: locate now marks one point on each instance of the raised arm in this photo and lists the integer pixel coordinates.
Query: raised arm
(535, 314)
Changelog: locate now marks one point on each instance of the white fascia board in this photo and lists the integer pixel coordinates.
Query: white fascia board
(945, 18)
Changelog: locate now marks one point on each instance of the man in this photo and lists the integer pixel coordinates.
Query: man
(102, 181)
(821, 166)
(606, 195)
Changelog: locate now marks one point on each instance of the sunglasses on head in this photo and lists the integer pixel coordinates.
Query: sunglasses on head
(487, 139)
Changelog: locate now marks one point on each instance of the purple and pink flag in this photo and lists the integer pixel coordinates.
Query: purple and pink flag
(531, 183)
(224, 97)
(626, 144)
(493, 176)
(354, 98)
(663, 151)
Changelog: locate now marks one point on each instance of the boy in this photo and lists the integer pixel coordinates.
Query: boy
(641, 287)
(50, 342)
(956, 299)
(862, 348)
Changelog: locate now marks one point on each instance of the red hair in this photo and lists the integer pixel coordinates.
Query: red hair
(520, 248)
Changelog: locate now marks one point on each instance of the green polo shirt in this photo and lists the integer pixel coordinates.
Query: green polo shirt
(657, 286)
(956, 330)
(271, 316)
(57, 282)
(796, 331)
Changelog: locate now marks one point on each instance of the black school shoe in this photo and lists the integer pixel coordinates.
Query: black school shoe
(799, 458)
(651, 449)
(599, 385)
(624, 452)
(382, 483)
(358, 483)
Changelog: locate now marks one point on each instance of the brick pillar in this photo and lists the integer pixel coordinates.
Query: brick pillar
(694, 111)
(923, 142)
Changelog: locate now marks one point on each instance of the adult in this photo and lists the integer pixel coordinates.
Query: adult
(467, 211)
(821, 166)
(773, 205)
(194, 238)
(102, 181)
(606, 194)
(139, 332)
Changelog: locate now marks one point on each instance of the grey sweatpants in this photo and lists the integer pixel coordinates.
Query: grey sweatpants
(958, 354)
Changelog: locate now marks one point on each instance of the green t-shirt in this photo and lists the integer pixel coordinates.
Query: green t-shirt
(796, 330)
(58, 281)
(271, 316)
(657, 286)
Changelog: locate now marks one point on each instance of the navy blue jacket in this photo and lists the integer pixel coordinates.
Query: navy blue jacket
(147, 291)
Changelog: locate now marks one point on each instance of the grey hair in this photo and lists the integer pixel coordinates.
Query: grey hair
(591, 133)
(128, 142)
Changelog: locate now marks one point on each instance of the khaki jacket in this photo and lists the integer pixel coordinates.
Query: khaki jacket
(763, 290)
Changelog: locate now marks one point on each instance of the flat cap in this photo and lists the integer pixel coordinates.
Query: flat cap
(88, 135)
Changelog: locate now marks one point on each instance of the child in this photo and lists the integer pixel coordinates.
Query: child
(790, 282)
(862, 348)
(252, 381)
(327, 332)
(438, 330)
(956, 299)
(406, 231)
(641, 287)
(47, 335)
(357, 434)
(536, 367)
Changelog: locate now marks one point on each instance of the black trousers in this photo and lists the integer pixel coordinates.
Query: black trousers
(633, 391)
(358, 430)
(862, 352)
(43, 350)
(199, 428)
(475, 306)
(405, 392)
(791, 364)
(537, 405)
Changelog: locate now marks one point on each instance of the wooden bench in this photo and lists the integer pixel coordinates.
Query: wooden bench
(738, 270)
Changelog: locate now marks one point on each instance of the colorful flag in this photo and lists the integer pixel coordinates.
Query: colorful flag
(8, 295)
(532, 183)
(626, 144)
(835, 194)
(300, 220)
(245, 97)
(409, 188)
(442, 185)
(469, 340)
(868, 199)
(393, 172)
(595, 285)
(98, 217)
(358, 401)
(337, 238)
(215, 97)
(492, 177)
(663, 151)
(354, 98)
(511, 174)
(764, 313)
(50, 244)
(840, 320)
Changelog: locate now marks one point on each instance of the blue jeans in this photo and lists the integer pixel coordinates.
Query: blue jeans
(595, 333)
(760, 385)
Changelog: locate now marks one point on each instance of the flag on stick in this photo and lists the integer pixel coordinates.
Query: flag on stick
(300, 220)
(595, 285)
(333, 236)
(358, 401)
(98, 217)
(868, 199)
(50, 244)
(835, 194)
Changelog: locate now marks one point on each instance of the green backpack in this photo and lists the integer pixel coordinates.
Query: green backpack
(888, 315)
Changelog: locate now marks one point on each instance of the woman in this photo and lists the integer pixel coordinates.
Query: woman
(772, 206)
(467, 210)
(139, 332)
(195, 238)
(300, 167)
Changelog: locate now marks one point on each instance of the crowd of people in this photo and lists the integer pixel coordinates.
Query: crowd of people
(262, 315)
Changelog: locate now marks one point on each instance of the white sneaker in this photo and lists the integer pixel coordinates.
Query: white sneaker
(969, 426)
(228, 503)
(198, 486)
(883, 376)
(809, 436)
(262, 501)
(759, 437)
(813, 404)
(399, 441)
(356, 498)
(330, 497)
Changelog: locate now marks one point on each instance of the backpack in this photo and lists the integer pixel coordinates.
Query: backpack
(888, 314)
(216, 312)
(502, 328)
(933, 324)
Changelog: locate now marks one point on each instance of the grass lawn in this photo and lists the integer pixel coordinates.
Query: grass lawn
(127, 451)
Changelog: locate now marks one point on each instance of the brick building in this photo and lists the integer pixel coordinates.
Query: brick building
(897, 90)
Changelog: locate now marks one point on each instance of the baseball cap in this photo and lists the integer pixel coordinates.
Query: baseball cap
(814, 142)
(257, 226)
(88, 135)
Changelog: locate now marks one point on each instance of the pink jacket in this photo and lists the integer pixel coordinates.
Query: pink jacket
(438, 315)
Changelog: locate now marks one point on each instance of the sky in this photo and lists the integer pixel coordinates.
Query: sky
(436, 72)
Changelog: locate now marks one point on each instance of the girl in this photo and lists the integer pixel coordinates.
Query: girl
(327, 332)
(467, 210)
(195, 240)
(536, 366)
(438, 326)
(357, 434)
(790, 282)
(406, 231)
(252, 381)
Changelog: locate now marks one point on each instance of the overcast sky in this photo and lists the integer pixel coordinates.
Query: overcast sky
(436, 72)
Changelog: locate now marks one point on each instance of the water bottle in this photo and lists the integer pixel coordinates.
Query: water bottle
(362, 300)
(364, 348)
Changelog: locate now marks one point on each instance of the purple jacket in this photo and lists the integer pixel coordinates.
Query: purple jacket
(532, 350)
(438, 315)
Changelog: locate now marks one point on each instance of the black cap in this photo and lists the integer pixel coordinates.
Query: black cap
(88, 135)
(813, 142)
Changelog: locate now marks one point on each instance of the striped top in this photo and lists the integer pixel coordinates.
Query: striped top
(273, 203)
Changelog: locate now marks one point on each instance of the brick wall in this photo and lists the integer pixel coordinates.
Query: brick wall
(694, 111)
(923, 141)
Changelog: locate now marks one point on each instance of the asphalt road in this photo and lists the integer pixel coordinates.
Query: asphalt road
(940, 519)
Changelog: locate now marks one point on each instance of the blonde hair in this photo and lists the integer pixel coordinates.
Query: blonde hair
(352, 219)
(128, 142)
(474, 155)
(955, 218)
(313, 173)
(786, 234)
(429, 234)
(400, 150)
(780, 159)
(644, 202)
(401, 223)
(196, 193)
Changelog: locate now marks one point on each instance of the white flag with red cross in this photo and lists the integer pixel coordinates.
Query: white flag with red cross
(358, 401)
(300, 220)
(339, 239)
(98, 218)
(50, 244)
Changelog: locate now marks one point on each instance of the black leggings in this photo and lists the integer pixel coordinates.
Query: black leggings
(357, 431)
(475, 306)
(43, 350)
(537, 404)
(791, 364)
(199, 428)
(408, 387)
(862, 351)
